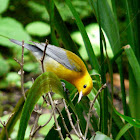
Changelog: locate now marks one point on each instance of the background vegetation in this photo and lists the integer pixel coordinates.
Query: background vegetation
(97, 31)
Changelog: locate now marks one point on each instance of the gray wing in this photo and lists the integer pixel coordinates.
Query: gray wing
(56, 53)
(37, 52)
(59, 55)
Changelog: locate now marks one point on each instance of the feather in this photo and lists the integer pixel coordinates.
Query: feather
(56, 53)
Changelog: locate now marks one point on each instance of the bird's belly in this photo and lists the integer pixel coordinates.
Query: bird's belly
(61, 71)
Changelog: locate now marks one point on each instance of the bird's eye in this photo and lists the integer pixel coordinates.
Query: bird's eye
(84, 86)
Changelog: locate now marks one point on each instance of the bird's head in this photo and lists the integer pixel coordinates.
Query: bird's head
(84, 85)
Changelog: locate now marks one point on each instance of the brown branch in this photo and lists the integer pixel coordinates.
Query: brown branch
(91, 106)
(58, 128)
(79, 129)
(70, 119)
(33, 130)
(43, 57)
(39, 127)
(21, 70)
(63, 121)
(4, 126)
(62, 118)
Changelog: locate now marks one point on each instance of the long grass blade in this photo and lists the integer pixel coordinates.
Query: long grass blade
(123, 130)
(61, 28)
(93, 60)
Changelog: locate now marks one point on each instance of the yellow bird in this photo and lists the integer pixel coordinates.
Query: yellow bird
(65, 64)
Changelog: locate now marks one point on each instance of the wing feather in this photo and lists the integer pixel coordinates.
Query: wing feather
(56, 53)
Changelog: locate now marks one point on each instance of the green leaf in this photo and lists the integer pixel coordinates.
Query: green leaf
(91, 97)
(13, 79)
(11, 28)
(132, 121)
(133, 63)
(15, 131)
(3, 5)
(74, 137)
(94, 36)
(42, 120)
(109, 24)
(28, 84)
(30, 66)
(45, 83)
(38, 9)
(61, 28)
(4, 67)
(100, 136)
(123, 130)
(4, 119)
(38, 28)
(91, 54)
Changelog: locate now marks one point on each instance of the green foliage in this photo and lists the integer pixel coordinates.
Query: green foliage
(4, 5)
(38, 28)
(31, 67)
(4, 67)
(11, 28)
(133, 63)
(42, 120)
(13, 79)
(100, 136)
(47, 82)
(93, 34)
(123, 130)
(130, 120)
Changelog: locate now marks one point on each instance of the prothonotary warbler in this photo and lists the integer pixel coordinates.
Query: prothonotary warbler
(65, 64)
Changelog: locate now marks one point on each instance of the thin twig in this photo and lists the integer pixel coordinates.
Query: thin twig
(39, 112)
(21, 70)
(33, 131)
(62, 118)
(43, 57)
(70, 119)
(58, 128)
(63, 121)
(79, 129)
(4, 126)
(39, 127)
(91, 106)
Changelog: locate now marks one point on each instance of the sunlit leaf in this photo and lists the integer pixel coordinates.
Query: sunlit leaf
(38, 28)
(13, 79)
(30, 66)
(74, 137)
(4, 67)
(133, 63)
(11, 28)
(123, 130)
(42, 120)
(91, 96)
(94, 36)
(132, 121)
(100, 136)
(3, 5)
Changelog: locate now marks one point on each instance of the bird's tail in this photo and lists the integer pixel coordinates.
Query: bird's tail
(37, 52)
